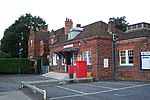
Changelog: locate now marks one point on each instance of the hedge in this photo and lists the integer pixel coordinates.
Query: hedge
(11, 65)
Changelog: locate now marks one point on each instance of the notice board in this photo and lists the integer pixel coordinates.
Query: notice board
(145, 60)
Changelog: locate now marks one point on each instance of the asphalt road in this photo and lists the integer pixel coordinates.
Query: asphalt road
(102, 90)
(10, 86)
(118, 90)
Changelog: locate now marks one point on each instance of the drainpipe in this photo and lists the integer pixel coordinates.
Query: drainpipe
(113, 56)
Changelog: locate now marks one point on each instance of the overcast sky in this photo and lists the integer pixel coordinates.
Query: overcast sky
(83, 12)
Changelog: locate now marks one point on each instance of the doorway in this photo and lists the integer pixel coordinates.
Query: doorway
(68, 59)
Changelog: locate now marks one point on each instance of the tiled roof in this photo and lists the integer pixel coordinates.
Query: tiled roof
(95, 29)
(60, 32)
(135, 34)
(41, 35)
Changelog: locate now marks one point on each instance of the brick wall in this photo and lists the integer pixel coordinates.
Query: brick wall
(104, 51)
(133, 72)
(100, 48)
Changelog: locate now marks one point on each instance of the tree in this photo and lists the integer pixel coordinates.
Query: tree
(18, 32)
(121, 23)
(4, 55)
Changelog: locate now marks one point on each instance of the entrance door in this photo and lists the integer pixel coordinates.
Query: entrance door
(68, 59)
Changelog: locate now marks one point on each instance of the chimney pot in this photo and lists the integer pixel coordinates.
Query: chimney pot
(68, 25)
(78, 25)
(111, 24)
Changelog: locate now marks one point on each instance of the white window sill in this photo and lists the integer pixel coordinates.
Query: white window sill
(126, 64)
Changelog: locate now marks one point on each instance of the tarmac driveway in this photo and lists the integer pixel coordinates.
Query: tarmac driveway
(10, 84)
(102, 90)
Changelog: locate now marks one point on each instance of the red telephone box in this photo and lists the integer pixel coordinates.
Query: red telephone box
(81, 69)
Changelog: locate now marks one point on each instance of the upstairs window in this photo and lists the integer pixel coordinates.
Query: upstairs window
(126, 57)
(73, 32)
(52, 41)
(41, 42)
(31, 43)
(72, 35)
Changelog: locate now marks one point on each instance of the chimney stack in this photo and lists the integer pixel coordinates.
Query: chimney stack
(68, 25)
(111, 24)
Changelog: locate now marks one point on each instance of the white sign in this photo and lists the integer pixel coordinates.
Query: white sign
(68, 46)
(145, 53)
(145, 60)
(105, 63)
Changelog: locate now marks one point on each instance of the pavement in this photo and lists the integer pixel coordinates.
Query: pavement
(56, 75)
(14, 95)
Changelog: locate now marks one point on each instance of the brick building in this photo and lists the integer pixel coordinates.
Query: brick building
(129, 47)
(91, 43)
(94, 43)
(38, 45)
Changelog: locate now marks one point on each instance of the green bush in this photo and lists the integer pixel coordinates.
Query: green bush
(11, 65)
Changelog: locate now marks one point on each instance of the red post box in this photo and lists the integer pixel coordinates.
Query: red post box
(81, 69)
(70, 69)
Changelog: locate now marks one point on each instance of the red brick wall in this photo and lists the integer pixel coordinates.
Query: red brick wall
(104, 51)
(133, 73)
(100, 48)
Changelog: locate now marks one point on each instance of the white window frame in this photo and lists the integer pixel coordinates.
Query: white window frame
(75, 58)
(87, 57)
(126, 58)
(31, 43)
(63, 61)
(55, 58)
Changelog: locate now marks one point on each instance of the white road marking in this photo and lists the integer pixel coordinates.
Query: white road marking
(124, 83)
(104, 87)
(78, 95)
(71, 90)
(122, 95)
(100, 92)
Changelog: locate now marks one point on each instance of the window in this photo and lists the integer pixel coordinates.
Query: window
(123, 57)
(75, 56)
(31, 45)
(134, 27)
(72, 35)
(130, 56)
(87, 57)
(129, 27)
(63, 61)
(55, 58)
(140, 25)
(41, 42)
(52, 40)
(126, 57)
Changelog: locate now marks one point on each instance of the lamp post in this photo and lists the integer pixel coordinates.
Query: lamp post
(19, 58)
(114, 39)
(20, 53)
